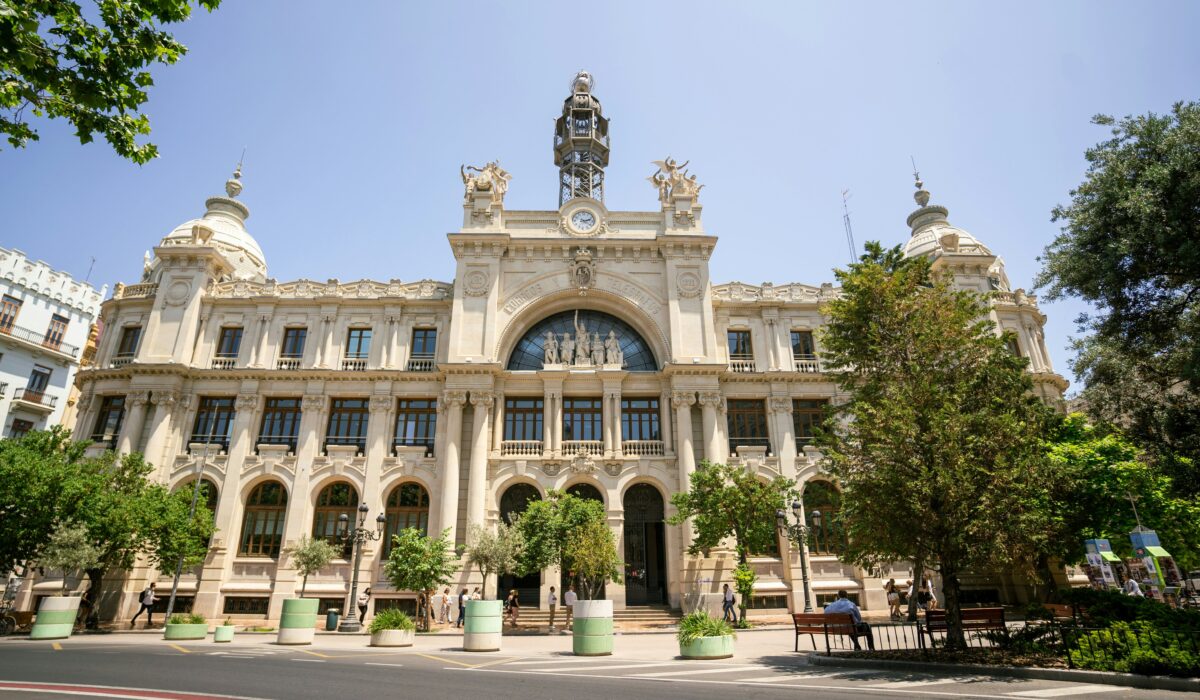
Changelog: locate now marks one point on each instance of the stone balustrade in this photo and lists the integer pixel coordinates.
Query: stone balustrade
(521, 448)
(594, 448)
(643, 448)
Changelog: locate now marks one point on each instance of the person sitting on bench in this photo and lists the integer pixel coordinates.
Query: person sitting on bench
(843, 604)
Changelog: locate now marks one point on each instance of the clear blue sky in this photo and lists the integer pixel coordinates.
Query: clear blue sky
(357, 116)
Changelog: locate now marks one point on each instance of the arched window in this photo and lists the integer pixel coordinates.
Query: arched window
(516, 499)
(827, 536)
(586, 491)
(407, 506)
(529, 353)
(334, 500)
(208, 493)
(262, 525)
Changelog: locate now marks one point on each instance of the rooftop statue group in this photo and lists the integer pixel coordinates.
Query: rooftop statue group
(490, 178)
(582, 349)
(672, 180)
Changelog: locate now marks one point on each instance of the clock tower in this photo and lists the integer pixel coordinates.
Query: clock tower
(581, 144)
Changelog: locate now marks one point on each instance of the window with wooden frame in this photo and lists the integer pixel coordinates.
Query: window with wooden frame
(10, 308)
(108, 420)
(358, 343)
(407, 507)
(280, 422)
(803, 347)
(333, 501)
(523, 418)
(214, 421)
(416, 424)
(262, 523)
(348, 423)
(229, 342)
(424, 342)
(828, 536)
(19, 428)
(807, 415)
(583, 419)
(740, 346)
(56, 332)
(293, 343)
(640, 419)
(128, 344)
(747, 421)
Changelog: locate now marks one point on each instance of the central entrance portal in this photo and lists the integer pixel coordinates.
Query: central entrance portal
(645, 550)
(514, 502)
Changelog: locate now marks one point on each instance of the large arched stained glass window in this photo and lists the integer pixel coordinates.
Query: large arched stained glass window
(529, 353)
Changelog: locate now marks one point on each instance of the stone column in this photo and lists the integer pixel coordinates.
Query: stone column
(772, 344)
(664, 412)
(784, 434)
(615, 412)
(298, 521)
(498, 424)
(261, 349)
(606, 422)
(379, 432)
(448, 510)
(132, 430)
(547, 423)
(683, 401)
(89, 404)
(389, 342)
(327, 326)
(160, 431)
(477, 479)
(201, 338)
(710, 401)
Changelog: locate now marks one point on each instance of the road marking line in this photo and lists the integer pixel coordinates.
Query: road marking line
(311, 653)
(808, 676)
(56, 646)
(1063, 692)
(239, 656)
(311, 661)
(931, 681)
(497, 662)
(603, 668)
(449, 661)
(554, 661)
(690, 672)
(176, 646)
(372, 663)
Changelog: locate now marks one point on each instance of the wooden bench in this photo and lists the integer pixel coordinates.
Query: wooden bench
(823, 624)
(973, 620)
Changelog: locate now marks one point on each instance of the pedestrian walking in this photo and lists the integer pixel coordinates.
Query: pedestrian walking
(727, 603)
(513, 605)
(364, 599)
(552, 601)
(423, 609)
(477, 594)
(462, 607)
(147, 599)
(445, 614)
(893, 598)
(569, 603)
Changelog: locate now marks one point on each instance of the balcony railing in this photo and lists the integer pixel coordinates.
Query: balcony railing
(806, 363)
(136, 291)
(594, 448)
(288, 363)
(736, 442)
(121, 360)
(354, 362)
(643, 448)
(198, 442)
(741, 363)
(427, 443)
(109, 440)
(224, 362)
(358, 442)
(521, 448)
(291, 441)
(37, 338)
(421, 363)
(35, 397)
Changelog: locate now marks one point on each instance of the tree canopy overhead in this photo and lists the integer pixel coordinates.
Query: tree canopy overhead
(89, 66)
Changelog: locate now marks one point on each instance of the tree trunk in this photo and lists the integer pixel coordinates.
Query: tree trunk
(95, 581)
(304, 585)
(955, 638)
(429, 610)
(919, 568)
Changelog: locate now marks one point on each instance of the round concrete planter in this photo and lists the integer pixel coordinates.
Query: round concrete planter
(223, 633)
(593, 628)
(485, 621)
(55, 618)
(180, 632)
(393, 638)
(298, 621)
(708, 648)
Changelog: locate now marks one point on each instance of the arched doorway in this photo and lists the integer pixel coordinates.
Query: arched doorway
(587, 492)
(645, 547)
(513, 502)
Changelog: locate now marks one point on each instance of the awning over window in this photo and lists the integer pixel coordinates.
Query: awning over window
(1109, 556)
(1157, 551)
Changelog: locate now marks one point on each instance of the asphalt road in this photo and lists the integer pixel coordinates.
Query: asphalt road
(191, 671)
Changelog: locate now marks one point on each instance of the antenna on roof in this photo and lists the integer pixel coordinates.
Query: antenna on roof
(89, 274)
(846, 223)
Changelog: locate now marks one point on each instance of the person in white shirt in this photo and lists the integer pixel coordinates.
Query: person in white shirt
(147, 599)
(552, 601)
(727, 601)
(462, 607)
(1132, 588)
(843, 604)
(569, 599)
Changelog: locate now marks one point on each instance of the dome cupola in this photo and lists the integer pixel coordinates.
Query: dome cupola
(223, 226)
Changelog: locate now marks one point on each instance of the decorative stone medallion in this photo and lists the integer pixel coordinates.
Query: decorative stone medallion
(475, 283)
(688, 283)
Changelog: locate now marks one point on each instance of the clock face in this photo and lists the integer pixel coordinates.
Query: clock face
(583, 220)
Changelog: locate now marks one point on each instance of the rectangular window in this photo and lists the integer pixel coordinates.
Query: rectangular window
(583, 419)
(214, 421)
(39, 379)
(10, 307)
(416, 424)
(293, 343)
(19, 428)
(807, 414)
(358, 343)
(348, 423)
(183, 604)
(639, 419)
(244, 605)
(802, 345)
(56, 331)
(739, 346)
(424, 342)
(128, 345)
(280, 423)
(1013, 345)
(229, 342)
(523, 419)
(108, 420)
(747, 424)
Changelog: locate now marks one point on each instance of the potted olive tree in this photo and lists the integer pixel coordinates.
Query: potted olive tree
(420, 563)
(493, 551)
(69, 550)
(702, 636)
(392, 628)
(298, 622)
(591, 553)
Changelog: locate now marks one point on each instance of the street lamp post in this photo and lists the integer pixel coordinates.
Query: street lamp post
(797, 532)
(191, 516)
(357, 538)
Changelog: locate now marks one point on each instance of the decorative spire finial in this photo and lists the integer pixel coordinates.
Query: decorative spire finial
(920, 195)
(233, 186)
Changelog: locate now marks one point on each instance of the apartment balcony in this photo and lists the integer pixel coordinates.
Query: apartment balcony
(806, 363)
(38, 339)
(354, 362)
(425, 443)
(104, 441)
(287, 363)
(135, 291)
(521, 448)
(749, 442)
(422, 363)
(119, 361)
(742, 363)
(593, 448)
(220, 362)
(355, 445)
(36, 400)
(643, 448)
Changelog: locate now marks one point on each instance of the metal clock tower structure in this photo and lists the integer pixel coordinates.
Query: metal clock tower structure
(581, 143)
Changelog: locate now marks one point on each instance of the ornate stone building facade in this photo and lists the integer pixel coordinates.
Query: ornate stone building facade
(577, 348)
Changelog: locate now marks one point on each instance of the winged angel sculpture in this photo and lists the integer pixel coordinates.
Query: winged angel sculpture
(672, 180)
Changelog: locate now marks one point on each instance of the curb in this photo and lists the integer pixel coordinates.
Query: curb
(1127, 680)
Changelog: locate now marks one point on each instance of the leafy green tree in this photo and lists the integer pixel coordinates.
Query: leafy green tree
(309, 556)
(1130, 246)
(494, 551)
(69, 550)
(421, 563)
(546, 526)
(592, 551)
(57, 61)
(941, 433)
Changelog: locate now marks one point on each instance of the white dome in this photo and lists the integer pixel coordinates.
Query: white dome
(943, 238)
(226, 220)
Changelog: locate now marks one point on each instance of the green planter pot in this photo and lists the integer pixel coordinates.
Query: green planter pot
(708, 648)
(223, 633)
(393, 638)
(181, 632)
(55, 618)
(484, 625)
(298, 622)
(592, 625)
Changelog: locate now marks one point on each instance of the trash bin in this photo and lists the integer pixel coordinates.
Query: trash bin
(331, 619)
